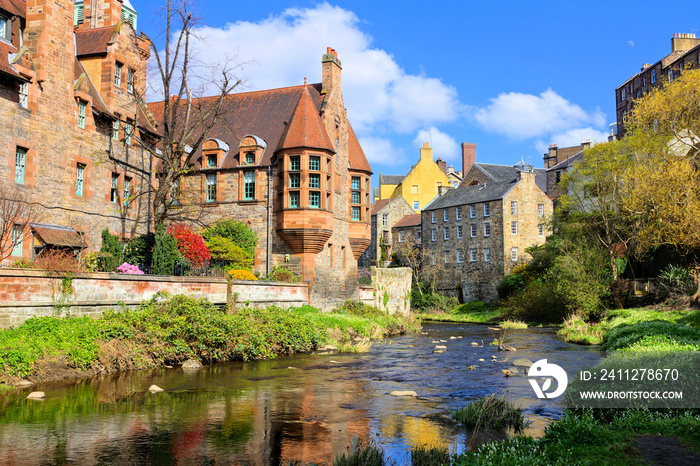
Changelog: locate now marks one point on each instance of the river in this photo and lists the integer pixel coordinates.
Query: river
(302, 408)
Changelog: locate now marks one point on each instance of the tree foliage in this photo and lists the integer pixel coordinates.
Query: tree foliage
(190, 245)
(238, 232)
(223, 249)
(16, 213)
(165, 253)
(111, 249)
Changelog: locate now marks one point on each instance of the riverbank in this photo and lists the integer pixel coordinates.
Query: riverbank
(170, 331)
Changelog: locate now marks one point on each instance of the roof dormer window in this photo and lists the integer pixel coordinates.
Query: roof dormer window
(249, 158)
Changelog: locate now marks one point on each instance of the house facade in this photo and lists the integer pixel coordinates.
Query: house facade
(287, 162)
(71, 88)
(384, 215)
(474, 235)
(557, 162)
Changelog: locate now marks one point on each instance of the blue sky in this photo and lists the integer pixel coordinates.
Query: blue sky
(510, 76)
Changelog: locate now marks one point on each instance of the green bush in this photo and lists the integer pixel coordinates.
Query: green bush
(509, 285)
(423, 299)
(165, 253)
(223, 249)
(358, 308)
(238, 232)
(139, 250)
(111, 250)
(282, 274)
(535, 303)
(472, 306)
(675, 279)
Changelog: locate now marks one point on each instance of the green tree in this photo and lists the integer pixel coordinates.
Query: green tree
(111, 250)
(165, 253)
(238, 232)
(223, 249)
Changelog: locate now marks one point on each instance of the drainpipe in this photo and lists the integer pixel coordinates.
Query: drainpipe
(269, 214)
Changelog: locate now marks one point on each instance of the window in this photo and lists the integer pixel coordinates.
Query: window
(355, 210)
(487, 209)
(653, 76)
(416, 205)
(446, 234)
(472, 253)
(487, 229)
(249, 158)
(20, 161)
(472, 211)
(385, 220)
(355, 183)
(248, 185)
(540, 210)
(294, 199)
(418, 235)
(473, 230)
(113, 194)
(656, 125)
(127, 191)
(211, 187)
(446, 215)
(433, 217)
(129, 16)
(514, 254)
(487, 255)
(294, 163)
(414, 189)
(117, 74)
(78, 13)
(355, 198)
(328, 168)
(514, 207)
(128, 131)
(17, 237)
(514, 228)
(130, 81)
(400, 236)
(314, 199)
(79, 175)
(433, 260)
(82, 105)
(342, 256)
(558, 176)
(540, 229)
(328, 201)
(622, 94)
(294, 180)
(315, 163)
(314, 180)
(459, 231)
(211, 161)
(644, 80)
(433, 234)
(458, 213)
(330, 255)
(115, 130)
(447, 257)
(24, 95)
(460, 255)
(670, 75)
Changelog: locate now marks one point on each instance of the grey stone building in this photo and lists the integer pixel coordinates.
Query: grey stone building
(384, 215)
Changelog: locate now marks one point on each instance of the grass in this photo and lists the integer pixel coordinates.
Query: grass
(482, 317)
(513, 324)
(361, 455)
(492, 411)
(179, 328)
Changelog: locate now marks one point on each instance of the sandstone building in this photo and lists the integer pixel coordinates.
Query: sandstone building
(475, 234)
(557, 162)
(72, 77)
(685, 53)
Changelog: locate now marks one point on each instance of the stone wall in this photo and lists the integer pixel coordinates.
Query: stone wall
(26, 293)
(390, 291)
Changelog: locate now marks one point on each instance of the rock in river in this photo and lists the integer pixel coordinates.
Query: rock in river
(403, 393)
(36, 396)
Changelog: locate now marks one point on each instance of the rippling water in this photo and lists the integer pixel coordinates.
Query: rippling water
(305, 408)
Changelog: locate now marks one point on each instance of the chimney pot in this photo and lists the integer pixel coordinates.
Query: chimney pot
(552, 146)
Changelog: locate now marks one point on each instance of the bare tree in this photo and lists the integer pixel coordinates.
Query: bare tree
(186, 118)
(16, 213)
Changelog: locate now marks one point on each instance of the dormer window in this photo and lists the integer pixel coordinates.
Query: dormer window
(211, 161)
(249, 158)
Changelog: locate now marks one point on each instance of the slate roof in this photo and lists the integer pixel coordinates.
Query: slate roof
(471, 194)
(59, 236)
(391, 179)
(93, 41)
(567, 163)
(266, 115)
(508, 173)
(412, 220)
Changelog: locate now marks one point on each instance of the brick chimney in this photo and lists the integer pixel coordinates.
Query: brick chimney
(331, 71)
(550, 158)
(442, 164)
(468, 156)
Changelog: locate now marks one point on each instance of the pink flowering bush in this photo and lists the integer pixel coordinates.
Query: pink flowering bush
(129, 269)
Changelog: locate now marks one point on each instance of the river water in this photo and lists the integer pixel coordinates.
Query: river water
(303, 408)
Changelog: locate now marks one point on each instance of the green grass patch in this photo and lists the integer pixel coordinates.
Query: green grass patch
(361, 455)
(512, 324)
(492, 411)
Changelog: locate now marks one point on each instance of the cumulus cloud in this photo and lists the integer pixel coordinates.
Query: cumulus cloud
(444, 146)
(382, 151)
(572, 137)
(524, 116)
(282, 49)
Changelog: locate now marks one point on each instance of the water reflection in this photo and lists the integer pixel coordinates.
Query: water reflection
(306, 409)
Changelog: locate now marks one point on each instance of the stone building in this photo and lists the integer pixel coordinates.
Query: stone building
(287, 162)
(685, 53)
(384, 215)
(557, 162)
(72, 75)
(473, 235)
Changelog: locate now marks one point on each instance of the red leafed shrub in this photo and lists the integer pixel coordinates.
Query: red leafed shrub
(190, 244)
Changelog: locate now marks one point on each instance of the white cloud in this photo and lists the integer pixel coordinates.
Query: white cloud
(281, 50)
(524, 116)
(572, 137)
(630, 43)
(382, 151)
(444, 146)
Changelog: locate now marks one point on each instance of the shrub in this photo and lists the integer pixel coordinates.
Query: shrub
(426, 301)
(282, 274)
(358, 308)
(509, 285)
(535, 303)
(22, 264)
(111, 250)
(364, 276)
(139, 250)
(57, 260)
(129, 269)
(91, 261)
(242, 275)
(165, 252)
(238, 232)
(472, 306)
(190, 245)
(223, 249)
(492, 411)
(676, 279)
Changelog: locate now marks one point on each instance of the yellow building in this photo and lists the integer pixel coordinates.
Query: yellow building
(419, 186)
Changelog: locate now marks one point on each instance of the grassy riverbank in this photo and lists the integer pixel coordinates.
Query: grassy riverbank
(180, 328)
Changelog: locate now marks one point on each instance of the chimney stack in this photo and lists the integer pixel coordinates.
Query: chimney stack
(426, 152)
(442, 164)
(331, 71)
(682, 42)
(468, 156)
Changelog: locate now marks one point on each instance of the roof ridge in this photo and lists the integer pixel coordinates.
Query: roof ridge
(233, 94)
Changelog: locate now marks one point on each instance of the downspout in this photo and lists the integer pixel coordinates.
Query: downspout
(269, 219)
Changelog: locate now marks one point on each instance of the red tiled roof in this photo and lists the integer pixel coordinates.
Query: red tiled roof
(144, 120)
(412, 220)
(5, 67)
(379, 205)
(93, 41)
(14, 7)
(305, 129)
(59, 236)
(260, 113)
(356, 155)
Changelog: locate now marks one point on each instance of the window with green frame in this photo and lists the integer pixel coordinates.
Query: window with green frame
(355, 184)
(79, 179)
(211, 187)
(314, 199)
(314, 180)
(355, 212)
(355, 198)
(248, 185)
(294, 163)
(115, 129)
(294, 180)
(294, 199)
(17, 237)
(20, 161)
(249, 158)
(315, 163)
